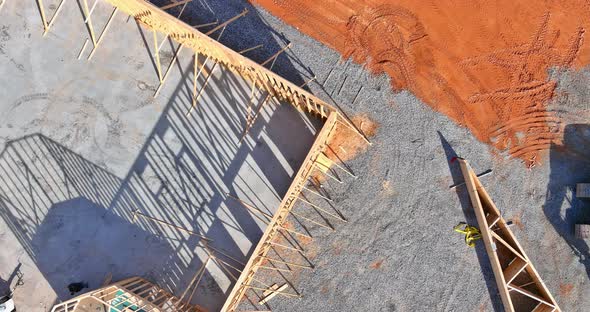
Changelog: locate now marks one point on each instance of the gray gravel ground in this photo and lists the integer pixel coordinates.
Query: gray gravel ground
(400, 209)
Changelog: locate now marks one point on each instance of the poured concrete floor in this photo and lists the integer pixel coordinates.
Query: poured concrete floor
(84, 144)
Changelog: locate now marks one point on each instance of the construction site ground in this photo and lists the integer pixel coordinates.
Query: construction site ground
(94, 133)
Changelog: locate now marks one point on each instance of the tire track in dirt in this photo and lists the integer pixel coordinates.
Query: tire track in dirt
(481, 64)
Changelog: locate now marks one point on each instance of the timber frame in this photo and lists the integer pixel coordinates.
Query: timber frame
(519, 284)
(131, 294)
(262, 79)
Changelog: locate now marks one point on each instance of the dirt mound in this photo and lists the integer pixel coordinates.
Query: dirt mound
(482, 64)
(345, 144)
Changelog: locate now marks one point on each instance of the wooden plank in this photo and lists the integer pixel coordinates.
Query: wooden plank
(174, 4)
(507, 245)
(273, 293)
(270, 289)
(59, 7)
(104, 31)
(513, 269)
(541, 307)
(529, 294)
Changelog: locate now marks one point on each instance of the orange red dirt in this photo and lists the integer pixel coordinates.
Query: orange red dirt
(483, 64)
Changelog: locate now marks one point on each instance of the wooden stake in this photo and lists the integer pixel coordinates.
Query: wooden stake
(206, 24)
(250, 207)
(273, 268)
(196, 98)
(251, 122)
(88, 22)
(172, 62)
(91, 10)
(106, 27)
(59, 7)
(42, 12)
(318, 194)
(321, 209)
(285, 246)
(167, 35)
(341, 167)
(294, 232)
(272, 293)
(311, 220)
(83, 48)
(326, 172)
(192, 284)
(157, 56)
(307, 82)
(174, 4)
(137, 213)
(252, 48)
(227, 22)
(276, 54)
(279, 293)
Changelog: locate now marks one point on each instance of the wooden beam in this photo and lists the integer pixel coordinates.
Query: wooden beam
(157, 56)
(196, 98)
(274, 56)
(252, 48)
(222, 25)
(59, 7)
(88, 21)
(42, 12)
(271, 293)
(172, 62)
(105, 29)
(174, 4)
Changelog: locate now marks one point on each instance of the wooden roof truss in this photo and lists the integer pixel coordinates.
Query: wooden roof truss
(519, 283)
